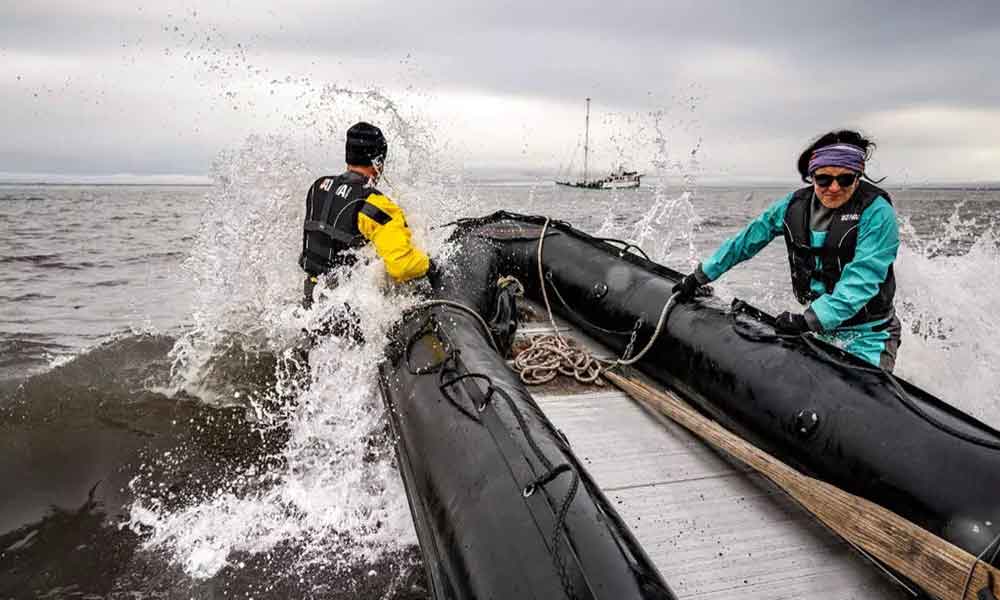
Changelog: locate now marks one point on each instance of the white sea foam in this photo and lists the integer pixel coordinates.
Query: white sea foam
(947, 305)
(666, 229)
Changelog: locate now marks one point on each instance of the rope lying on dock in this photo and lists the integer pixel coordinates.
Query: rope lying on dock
(551, 354)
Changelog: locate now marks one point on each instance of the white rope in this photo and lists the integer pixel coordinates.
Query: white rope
(551, 354)
(541, 281)
(656, 333)
(548, 356)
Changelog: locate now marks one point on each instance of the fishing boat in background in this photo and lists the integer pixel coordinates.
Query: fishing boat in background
(618, 179)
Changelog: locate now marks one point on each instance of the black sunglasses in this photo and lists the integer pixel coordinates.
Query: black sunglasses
(845, 180)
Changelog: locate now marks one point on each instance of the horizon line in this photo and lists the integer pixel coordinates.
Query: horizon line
(489, 175)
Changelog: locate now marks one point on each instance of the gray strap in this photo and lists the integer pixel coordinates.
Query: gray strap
(329, 231)
(375, 213)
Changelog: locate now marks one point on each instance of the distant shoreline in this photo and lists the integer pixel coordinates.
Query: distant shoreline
(514, 179)
(986, 187)
(91, 184)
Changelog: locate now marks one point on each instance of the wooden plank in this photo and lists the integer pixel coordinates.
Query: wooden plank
(938, 566)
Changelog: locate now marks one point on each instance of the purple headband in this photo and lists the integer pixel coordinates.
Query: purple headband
(838, 155)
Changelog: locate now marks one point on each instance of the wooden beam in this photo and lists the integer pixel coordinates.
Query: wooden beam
(936, 565)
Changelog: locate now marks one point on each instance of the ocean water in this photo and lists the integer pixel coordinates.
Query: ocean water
(160, 436)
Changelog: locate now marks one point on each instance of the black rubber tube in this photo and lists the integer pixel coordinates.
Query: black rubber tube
(471, 443)
(866, 441)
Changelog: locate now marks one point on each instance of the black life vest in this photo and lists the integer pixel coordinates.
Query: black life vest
(837, 250)
(331, 224)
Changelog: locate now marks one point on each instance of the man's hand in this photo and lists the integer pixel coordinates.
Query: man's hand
(433, 274)
(791, 324)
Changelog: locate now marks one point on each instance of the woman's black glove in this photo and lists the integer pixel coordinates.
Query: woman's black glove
(791, 324)
(686, 287)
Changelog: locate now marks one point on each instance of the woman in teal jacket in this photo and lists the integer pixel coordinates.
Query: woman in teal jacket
(842, 237)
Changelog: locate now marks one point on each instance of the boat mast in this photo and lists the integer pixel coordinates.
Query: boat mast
(586, 141)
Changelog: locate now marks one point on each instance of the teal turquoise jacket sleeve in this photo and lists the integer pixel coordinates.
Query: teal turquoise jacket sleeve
(878, 243)
(748, 242)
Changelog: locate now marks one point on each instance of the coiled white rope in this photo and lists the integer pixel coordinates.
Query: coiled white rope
(551, 354)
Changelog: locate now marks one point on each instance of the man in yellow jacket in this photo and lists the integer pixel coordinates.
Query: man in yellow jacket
(347, 211)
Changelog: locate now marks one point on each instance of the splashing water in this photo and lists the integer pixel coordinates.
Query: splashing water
(670, 224)
(945, 301)
(243, 261)
(336, 493)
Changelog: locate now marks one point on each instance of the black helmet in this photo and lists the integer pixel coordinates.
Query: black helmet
(365, 145)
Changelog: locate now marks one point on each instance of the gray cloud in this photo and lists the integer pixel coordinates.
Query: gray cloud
(116, 86)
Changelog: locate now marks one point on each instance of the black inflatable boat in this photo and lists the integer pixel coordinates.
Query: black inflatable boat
(812, 405)
(501, 506)
(471, 441)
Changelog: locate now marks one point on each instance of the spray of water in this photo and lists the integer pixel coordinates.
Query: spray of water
(944, 298)
(243, 260)
(666, 229)
(335, 491)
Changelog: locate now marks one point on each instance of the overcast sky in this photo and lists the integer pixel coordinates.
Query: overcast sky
(724, 89)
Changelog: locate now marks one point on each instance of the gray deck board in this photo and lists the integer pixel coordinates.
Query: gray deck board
(714, 529)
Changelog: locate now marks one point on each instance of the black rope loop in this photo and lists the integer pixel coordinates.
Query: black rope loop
(625, 246)
(544, 479)
(987, 592)
(450, 356)
(747, 332)
(430, 326)
(625, 250)
(450, 365)
(480, 406)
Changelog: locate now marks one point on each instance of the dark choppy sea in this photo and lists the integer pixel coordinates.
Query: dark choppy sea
(159, 439)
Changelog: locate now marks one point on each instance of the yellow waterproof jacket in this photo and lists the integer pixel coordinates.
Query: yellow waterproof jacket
(403, 261)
